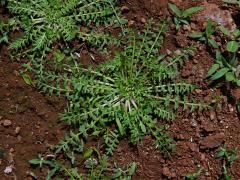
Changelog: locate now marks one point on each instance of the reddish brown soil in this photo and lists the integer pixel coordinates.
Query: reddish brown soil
(198, 135)
(31, 113)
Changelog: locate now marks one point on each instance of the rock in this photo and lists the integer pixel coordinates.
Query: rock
(214, 12)
(16, 73)
(7, 123)
(193, 147)
(193, 122)
(231, 109)
(143, 20)
(166, 172)
(124, 9)
(198, 91)
(11, 150)
(168, 52)
(186, 27)
(193, 26)
(212, 115)
(17, 130)
(212, 141)
(8, 170)
(202, 157)
(208, 127)
(131, 23)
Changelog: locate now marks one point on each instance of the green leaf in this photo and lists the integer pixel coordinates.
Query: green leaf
(213, 69)
(36, 162)
(4, 38)
(219, 73)
(58, 56)
(238, 82)
(88, 153)
(196, 35)
(143, 127)
(219, 56)
(232, 46)
(51, 173)
(184, 21)
(213, 43)
(117, 174)
(119, 124)
(27, 79)
(209, 28)
(225, 31)
(236, 33)
(188, 12)
(132, 169)
(175, 9)
(230, 76)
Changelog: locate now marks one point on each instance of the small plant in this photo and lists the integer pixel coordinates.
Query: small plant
(234, 36)
(207, 35)
(225, 68)
(129, 94)
(194, 175)
(183, 16)
(229, 156)
(97, 169)
(43, 23)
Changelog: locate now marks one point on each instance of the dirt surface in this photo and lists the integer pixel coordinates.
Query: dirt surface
(29, 119)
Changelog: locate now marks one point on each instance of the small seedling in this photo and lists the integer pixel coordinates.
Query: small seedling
(234, 36)
(224, 67)
(183, 16)
(96, 169)
(229, 156)
(207, 35)
(194, 175)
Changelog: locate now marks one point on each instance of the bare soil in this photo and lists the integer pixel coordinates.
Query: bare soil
(198, 135)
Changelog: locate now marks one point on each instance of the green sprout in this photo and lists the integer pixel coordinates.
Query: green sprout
(229, 156)
(194, 175)
(183, 16)
(207, 35)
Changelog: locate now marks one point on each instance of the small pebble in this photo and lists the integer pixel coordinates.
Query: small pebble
(168, 52)
(193, 26)
(17, 130)
(131, 23)
(124, 9)
(16, 73)
(178, 52)
(143, 20)
(8, 170)
(7, 123)
(11, 150)
(212, 115)
(186, 27)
